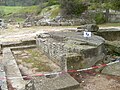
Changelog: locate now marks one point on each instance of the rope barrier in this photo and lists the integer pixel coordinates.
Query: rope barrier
(69, 71)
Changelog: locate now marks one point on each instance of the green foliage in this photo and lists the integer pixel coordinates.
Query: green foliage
(10, 10)
(99, 18)
(52, 2)
(55, 11)
(28, 9)
(94, 6)
(19, 2)
(72, 8)
(2, 13)
(38, 10)
(105, 4)
(116, 4)
(109, 24)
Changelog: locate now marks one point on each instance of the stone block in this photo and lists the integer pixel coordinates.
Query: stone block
(12, 71)
(61, 82)
(84, 52)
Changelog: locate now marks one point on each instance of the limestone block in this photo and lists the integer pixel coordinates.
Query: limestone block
(89, 27)
(62, 82)
(112, 69)
(80, 52)
(12, 70)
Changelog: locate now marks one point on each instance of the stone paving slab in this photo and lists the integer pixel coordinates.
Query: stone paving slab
(62, 82)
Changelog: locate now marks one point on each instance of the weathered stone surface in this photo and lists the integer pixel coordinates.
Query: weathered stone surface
(62, 47)
(114, 17)
(3, 25)
(17, 44)
(12, 70)
(113, 46)
(62, 82)
(110, 34)
(23, 47)
(112, 69)
(112, 37)
(3, 82)
(112, 43)
(89, 27)
(0, 47)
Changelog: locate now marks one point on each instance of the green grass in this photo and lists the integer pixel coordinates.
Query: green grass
(28, 9)
(9, 10)
(55, 11)
(109, 24)
(52, 10)
(35, 59)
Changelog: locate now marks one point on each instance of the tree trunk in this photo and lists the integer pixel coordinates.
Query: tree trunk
(107, 15)
(5, 2)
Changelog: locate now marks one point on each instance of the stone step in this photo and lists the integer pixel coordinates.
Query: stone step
(18, 43)
(23, 47)
(61, 82)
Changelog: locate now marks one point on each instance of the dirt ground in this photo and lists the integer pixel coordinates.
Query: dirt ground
(89, 82)
(35, 61)
(101, 82)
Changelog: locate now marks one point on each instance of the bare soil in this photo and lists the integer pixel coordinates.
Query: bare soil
(35, 60)
(101, 82)
(87, 82)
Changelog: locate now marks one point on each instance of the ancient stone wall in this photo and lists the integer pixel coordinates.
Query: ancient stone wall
(111, 34)
(114, 18)
(53, 50)
(3, 82)
(71, 50)
(12, 71)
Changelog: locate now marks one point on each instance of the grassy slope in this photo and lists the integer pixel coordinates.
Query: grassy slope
(109, 24)
(52, 10)
(9, 10)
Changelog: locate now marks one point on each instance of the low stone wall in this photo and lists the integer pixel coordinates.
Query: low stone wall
(114, 18)
(70, 50)
(53, 51)
(12, 71)
(0, 47)
(3, 82)
(19, 43)
(111, 34)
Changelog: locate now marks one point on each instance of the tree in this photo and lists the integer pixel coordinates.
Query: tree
(106, 5)
(116, 4)
(72, 8)
(52, 2)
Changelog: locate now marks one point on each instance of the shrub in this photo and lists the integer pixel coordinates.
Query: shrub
(72, 8)
(2, 13)
(52, 2)
(100, 18)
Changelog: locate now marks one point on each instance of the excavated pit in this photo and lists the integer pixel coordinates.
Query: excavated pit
(112, 44)
(68, 50)
(34, 62)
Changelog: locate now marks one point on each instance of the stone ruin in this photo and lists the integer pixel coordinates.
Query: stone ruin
(69, 49)
(2, 24)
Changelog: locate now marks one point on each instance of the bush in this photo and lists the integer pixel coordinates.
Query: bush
(2, 13)
(72, 8)
(100, 18)
(52, 2)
